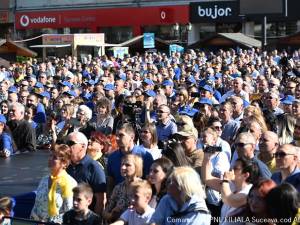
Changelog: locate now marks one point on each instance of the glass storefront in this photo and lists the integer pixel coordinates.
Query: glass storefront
(116, 35)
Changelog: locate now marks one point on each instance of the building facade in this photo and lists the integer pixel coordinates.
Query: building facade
(120, 20)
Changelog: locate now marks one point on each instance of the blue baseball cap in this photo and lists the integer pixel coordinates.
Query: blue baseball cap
(90, 82)
(85, 74)
(66, 83)
(2, 119)
(150, 93)
(211, 78)
(148, 81)
(45, 94)
(188, 111)
(109, 87)
(12, 89)
(121, 76)
(168, 83)
(39, 85)
(71, 93)
(206, 101)
(235, 75)
(218, 75)
(191, 79)
(288, 100)
(207, 88)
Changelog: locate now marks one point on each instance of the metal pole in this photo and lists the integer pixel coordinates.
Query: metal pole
(264, 33)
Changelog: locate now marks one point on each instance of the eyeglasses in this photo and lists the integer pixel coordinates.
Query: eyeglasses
(241, 145)
(281, 154)
(71, 143)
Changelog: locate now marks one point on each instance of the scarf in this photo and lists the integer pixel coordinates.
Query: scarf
(66, 187)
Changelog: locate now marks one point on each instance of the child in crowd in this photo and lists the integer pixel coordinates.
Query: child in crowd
(6, 209)
(141, 212)
(81, 214)
(7, 146)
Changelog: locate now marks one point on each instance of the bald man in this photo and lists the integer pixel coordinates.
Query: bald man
(245, 146)
(84, 169)
(268, 145)
(287, 164)
(237, 90)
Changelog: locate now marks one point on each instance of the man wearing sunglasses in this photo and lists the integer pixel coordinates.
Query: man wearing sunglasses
(84, 169)
(287, 163)
(245, 146)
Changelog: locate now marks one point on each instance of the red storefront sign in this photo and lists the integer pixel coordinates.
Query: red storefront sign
(3, 16)
(103, 17)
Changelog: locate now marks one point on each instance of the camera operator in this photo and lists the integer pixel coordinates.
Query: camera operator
(219, 164)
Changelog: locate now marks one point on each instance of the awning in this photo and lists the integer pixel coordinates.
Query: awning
(8, 46)
(227, 40)
(50, 46)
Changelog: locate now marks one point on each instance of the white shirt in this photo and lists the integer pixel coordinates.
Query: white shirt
(133, 218)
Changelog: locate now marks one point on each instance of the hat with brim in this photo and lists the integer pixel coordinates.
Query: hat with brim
(187, 131)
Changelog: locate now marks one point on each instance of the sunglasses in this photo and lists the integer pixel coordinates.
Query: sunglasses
(160, 111)
(217, 127)
(71, 143)
(241, 145)
(281, 154)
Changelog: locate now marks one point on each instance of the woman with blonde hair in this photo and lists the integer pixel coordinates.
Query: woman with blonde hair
(148, 138)
(285, 128)
(132, 171)
(184, 202)
(252, 110)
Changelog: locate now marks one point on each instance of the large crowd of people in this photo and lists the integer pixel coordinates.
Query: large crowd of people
(194, 138)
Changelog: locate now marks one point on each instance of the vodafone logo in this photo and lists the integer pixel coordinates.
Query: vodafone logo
(24, 20)
(163, 15)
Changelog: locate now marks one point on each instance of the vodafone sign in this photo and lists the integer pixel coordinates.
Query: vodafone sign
(102, 17)
(27, 20)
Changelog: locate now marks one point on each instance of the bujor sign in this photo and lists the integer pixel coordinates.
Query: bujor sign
(225, 11)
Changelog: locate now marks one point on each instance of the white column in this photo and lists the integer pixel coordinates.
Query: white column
(194, 34)
(248, 28)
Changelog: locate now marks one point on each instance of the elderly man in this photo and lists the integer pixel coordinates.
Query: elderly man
(245, 146)
(268, 144)
(125, 139)
(287, 163)
(237, 108)
(22, 131)
(85, 169)
(272, 101)
(237, 90)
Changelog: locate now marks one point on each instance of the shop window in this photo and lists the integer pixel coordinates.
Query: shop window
(206, 30)
(163, 32)
(276, 29)
(117, 35)
(228, 27)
